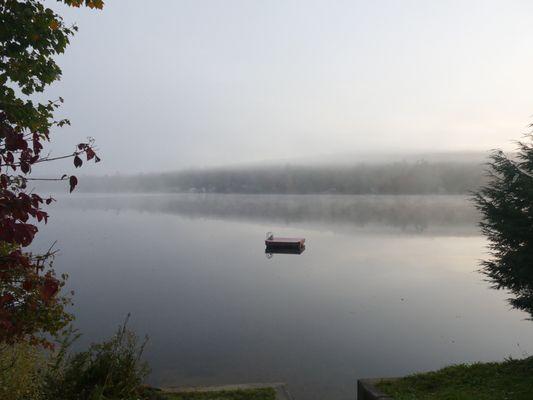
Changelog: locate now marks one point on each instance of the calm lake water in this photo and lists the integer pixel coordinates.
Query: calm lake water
(387, 286)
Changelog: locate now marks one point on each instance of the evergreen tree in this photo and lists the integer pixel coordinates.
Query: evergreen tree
(506, 203)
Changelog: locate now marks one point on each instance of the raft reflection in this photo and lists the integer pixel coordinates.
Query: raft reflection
(270, 251)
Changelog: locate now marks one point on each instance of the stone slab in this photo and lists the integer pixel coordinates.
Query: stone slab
(367, 390)
(282, 393)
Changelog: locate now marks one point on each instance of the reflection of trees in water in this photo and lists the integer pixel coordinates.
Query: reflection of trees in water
(404, 213)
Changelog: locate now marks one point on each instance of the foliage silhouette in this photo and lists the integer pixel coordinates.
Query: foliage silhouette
(506, 203)
(31, 35)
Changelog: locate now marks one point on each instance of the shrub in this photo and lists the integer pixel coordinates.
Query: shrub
(110, 370)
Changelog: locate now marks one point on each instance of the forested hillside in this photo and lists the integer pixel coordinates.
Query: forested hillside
(386, 178)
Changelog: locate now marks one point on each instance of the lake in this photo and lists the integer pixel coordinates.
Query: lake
(386, 286)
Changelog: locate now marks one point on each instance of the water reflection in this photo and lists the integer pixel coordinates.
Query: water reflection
(442, 215)
(372, 295)
(270, 251)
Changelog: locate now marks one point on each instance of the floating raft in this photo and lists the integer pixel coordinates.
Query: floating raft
(272, 242)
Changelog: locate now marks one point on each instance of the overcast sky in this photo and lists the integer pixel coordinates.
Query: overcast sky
(168, 84)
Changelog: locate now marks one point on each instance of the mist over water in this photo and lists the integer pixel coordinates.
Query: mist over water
(364, 127)
(387, 286)
(452, 175)
(402, 214)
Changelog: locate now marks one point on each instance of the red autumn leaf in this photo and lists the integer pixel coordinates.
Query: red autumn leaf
(90, 153)
(77, 162)
(73, 182)
(25, 167)
(49, 289)
(27, 285)
(7, 298)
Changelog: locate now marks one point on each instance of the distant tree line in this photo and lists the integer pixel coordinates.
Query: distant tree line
(392, 178)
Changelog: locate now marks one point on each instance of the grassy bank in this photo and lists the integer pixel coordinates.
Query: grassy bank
(510, 380)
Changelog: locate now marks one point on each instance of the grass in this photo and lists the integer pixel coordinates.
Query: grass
(20, 368)
(508, 380)
(244, 394)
